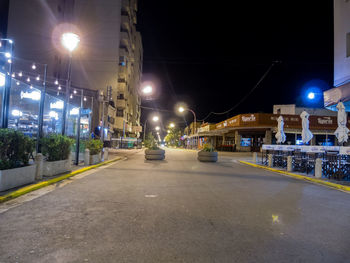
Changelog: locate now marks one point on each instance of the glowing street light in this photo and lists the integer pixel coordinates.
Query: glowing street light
(181, 109)
(172, 125)
(157, 128)
(147, 90)
(155, 118)
(311, 95)
(70, 41)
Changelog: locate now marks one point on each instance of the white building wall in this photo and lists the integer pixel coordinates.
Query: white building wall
(341, 43)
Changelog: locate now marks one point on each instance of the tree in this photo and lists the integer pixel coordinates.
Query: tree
(173, 137)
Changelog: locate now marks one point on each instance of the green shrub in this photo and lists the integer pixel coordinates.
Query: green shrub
(150, 142)
(208, 148)
(15, 149)
(95, 146)
(56, 147)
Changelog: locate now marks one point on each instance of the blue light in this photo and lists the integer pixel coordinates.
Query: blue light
(311, 95)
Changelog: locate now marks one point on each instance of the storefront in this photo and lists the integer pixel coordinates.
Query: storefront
(247, 132)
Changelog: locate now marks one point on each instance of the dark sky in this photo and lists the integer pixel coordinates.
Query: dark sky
(210, 54)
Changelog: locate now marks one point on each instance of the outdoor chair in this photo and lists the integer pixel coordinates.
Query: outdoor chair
(299, 161)
(311, 161)
(334, 167)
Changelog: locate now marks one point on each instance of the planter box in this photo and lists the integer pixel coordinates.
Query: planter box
(207, 156)
(94, 159)
(154, 154)
(57, 167)
(12, 178)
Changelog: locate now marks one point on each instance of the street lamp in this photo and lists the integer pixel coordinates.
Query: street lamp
(311, 95)
(181, 109)
(147, 90)
(157, 128)
(155, 119)
(172, 125)
(70, 41)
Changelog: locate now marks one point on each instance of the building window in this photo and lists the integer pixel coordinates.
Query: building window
(348, 45)
(120, 96)
(122, 61)
(120, 113)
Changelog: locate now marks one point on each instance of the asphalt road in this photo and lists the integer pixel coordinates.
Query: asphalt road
(179, 210)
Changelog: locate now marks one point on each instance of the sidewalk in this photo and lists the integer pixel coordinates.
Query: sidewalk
(76, 169)
(339, 185)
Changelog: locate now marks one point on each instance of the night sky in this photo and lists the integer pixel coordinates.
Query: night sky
(210, 54)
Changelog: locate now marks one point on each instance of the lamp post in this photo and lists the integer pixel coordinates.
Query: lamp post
(155, 119)
(41, 112)
(147, 90)
(70, 41)
(181, 110)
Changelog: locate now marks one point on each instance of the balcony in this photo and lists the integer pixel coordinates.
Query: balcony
(122, 73)
(126, 6)
(123, 52)
(122, 87)
(125, 23)
(121, 103)
(124, 38)
(119, 123)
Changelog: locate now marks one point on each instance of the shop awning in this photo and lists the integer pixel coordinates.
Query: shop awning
(335, 95)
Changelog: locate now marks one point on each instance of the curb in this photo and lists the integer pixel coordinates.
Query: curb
(37, 186)
(302, 177)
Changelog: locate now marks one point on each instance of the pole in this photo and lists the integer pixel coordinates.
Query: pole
(144, 132)
(65, 106)
(195, 123)
(103, 120)
(41, 113)
(6, 95)
(77, 144)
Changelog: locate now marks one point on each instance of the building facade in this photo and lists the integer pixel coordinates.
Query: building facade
(104, 62)
(248, 132)
(341, 90)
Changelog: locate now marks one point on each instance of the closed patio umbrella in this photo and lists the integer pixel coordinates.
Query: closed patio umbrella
(342, 131)
(280, 135)
(306, 133)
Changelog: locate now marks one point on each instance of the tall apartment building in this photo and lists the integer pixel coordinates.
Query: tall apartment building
(130, 70)
(108, 59)
(341, 82)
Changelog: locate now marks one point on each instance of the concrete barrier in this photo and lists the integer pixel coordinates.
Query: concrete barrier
(289, 163)
(105, 154)
(318, 168)
(255, 157)
(39, 161)
(270, 158)
(87, 157)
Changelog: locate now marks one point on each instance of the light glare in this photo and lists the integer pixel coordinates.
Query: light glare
(70, 41)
